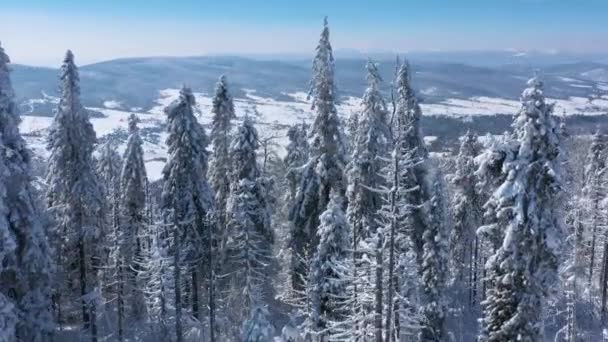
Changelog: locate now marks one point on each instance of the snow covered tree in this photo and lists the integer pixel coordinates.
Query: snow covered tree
(223, 112)
(422, 197)
(258, 327)
(109, 166)
(250, 238)
(594, 192)
(468, 215)
(370, 147)
(491, 173)
(297, 155)
(157, 276)
(324, 172)
(25, 256)
(524, 267)
(187, 202)
(434, 268)
(74, 196)
(132, 228)
(330, 272)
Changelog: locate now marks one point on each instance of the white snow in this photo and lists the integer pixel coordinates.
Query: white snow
(112, 104)
(274, 116)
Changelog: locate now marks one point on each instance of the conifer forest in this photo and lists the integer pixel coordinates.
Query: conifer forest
(339, 228)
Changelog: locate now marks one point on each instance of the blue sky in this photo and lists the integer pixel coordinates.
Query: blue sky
(38, 31)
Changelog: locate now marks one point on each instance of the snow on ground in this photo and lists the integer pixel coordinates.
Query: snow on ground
(112, 104)
(274, 116)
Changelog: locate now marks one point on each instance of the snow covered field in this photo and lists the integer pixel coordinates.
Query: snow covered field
(271, 116)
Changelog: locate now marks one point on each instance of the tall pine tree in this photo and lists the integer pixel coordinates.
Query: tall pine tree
(525, 266)
(74, 195)
(186, 203)
(132, 232)
(324, 172)
(370, 151)
(223, 113)
(25, 256)
(424, 214)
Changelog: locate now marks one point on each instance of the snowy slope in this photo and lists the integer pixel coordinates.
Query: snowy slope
(272, 117)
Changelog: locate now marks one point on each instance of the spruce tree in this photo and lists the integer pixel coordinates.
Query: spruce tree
(25, 256)
(525, 266)
(250, 238)
(324, 172)
(223, 113)
(467, 217)
(422, 192)
(108, 167)
(187, 202)
(132, 232)
(594, 192)
(330, 273)
(297, 155)
(74, 194)
(370, 150)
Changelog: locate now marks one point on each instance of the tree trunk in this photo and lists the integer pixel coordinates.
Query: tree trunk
(379, 291)
(194, 294)
(475, 273)
(178, 287)
(211, 284)
(592, 256)
(121, 303)
(604, 280)
(83, 284)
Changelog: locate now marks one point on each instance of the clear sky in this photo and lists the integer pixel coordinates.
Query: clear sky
(39, 31)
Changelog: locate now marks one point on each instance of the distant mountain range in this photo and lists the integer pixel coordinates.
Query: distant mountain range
(134, 83)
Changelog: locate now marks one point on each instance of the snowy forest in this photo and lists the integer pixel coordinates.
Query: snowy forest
(356, 233)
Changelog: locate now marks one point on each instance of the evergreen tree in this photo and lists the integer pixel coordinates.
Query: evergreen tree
(324, 172)
(74, 194)
(223, 112)
(370, 148)
(330, 273)
(297, 155)
(25, 256)
(186, 202)
(421, 195)
(468, 214)
(250, 239)
(525, 265)
(594, 192)
(132, 232)
(434, 268)
(109, 166)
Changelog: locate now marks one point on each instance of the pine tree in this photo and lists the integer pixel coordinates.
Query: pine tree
(250, 238)
(108, 167)
(297, 155)
(434, 268)
(132, 227)
(74, 194)
(422, 197)
(330, 273)
(467, 214)
(525, 265)
(594, 192)
(324, 172)
(370, 148)
(187, 202)
(223, 112)
(25, 256)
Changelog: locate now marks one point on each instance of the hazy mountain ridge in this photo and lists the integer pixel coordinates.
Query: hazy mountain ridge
(134, 83)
